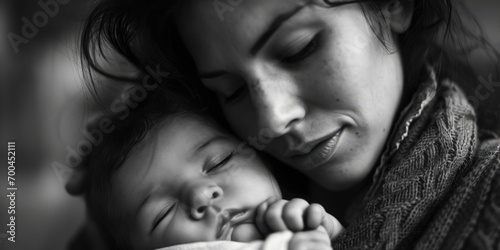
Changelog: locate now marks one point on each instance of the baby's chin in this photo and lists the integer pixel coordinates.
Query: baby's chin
(245, 233)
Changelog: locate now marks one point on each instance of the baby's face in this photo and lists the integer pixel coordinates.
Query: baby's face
(188, 182)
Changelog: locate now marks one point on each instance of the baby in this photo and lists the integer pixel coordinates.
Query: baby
(170, 177)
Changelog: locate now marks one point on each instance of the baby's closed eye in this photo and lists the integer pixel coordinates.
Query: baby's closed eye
(164, 212)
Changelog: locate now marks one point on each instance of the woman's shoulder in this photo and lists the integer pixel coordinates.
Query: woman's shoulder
(489, 149)
(471, 215)
(486, 233)
(485, 163)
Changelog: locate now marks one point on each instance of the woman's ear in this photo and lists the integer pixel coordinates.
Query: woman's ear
(76, 183)
(400, 15)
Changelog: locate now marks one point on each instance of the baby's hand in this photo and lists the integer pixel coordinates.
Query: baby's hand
(296, 215)
(317, 239)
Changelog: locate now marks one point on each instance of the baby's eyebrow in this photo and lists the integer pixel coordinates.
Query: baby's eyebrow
(139, 212)
(207, 142)
(148, 196)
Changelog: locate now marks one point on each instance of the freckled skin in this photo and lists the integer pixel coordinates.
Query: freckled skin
(349, 81)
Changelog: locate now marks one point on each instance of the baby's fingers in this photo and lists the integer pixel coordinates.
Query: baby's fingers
(310, 240)
(332, 226)
(293, 214)
(260, 218)
(314, 216)
(274, 217)
(317, 216)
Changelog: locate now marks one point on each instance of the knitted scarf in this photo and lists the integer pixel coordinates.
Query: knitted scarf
(437, 186)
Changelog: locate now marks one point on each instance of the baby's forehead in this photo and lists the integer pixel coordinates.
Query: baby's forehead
(174, 140)
(189, 128)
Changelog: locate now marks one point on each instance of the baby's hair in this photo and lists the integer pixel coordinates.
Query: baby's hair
(145, 33)
(129, 131)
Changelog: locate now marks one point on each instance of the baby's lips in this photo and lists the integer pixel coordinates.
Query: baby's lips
(245, 233)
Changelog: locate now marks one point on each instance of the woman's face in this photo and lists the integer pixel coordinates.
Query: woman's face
(312, 86)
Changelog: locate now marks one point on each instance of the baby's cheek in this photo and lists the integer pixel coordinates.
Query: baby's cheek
(245, 233)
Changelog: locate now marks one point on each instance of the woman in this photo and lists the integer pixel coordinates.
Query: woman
(356, 95)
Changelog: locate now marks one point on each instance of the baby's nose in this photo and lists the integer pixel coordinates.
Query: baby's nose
(203, 195)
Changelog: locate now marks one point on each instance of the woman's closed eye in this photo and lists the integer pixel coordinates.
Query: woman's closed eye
(218, 163)
(304, 52)
(239, 92)
(292, 56)
(164, 212)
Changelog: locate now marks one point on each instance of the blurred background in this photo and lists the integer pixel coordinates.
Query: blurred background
(42, 107)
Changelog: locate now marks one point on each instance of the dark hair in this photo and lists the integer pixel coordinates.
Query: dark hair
(128, 130)
(145, 34)
(439, 36)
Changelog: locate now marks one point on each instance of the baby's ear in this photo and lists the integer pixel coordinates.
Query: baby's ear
(400, 15)
(77, 181)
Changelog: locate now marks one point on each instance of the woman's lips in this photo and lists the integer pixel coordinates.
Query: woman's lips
(320, 154)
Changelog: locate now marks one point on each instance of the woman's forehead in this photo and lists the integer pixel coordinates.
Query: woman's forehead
(212, 29)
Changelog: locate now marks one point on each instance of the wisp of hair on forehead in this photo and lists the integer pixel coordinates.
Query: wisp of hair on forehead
(144, 32)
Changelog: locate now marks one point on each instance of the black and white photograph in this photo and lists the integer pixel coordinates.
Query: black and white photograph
(250, 124)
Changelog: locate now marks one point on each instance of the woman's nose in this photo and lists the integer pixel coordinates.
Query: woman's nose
(201, 195)
(278, 105)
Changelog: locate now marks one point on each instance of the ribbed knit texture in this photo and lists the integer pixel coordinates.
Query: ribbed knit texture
(438, 184)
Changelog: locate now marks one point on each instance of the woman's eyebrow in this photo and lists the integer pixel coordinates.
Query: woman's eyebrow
(280, 19)
(275, 25)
